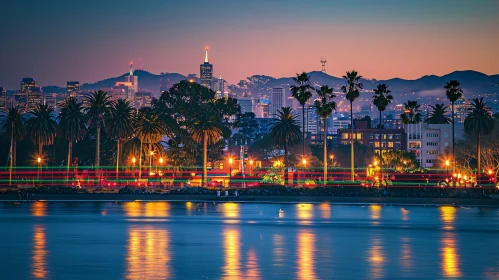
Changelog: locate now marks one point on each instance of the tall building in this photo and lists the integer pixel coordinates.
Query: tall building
(143, 99)
(134, 80)
(312, 120)
(428, 141)
(34, 97)
(72, 88)
(277, 95)
(50, 99)
(206, 72)
(27, 83)
(28, 88)
(3, 100)
(246, 104)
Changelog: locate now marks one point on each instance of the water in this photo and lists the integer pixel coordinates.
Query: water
(188, 240)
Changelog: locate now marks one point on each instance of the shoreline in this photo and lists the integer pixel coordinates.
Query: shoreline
(415, 201)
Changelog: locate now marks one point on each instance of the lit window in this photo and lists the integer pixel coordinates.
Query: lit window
(390, 144)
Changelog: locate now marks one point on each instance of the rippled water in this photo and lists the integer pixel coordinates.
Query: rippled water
(188, 240)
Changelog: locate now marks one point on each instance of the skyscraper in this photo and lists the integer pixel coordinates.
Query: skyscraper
(3, 104)
(277, 95)
(206, 72)
(133, 79)
(72, 88)
(32, 93)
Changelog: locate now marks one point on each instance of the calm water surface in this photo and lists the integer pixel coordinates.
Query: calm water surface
(188, 240)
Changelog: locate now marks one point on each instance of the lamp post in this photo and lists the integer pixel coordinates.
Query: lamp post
(39, 160)
(134, 160)
(230, 171)
(447, 168)
(304, 162)
(251, 167)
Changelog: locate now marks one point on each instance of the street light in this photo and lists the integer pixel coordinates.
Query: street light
(447, 167)
(251, 167)
(160, 160)
(230, 171)
(39, 160)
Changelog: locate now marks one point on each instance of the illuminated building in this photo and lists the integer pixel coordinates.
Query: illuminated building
(2, 99)
(134, 80)
(72, 88)
(34, 97)
(50, 99)
(219, 88)
(206, 72)
(277, 102)
(461, 109)
(27, 83)
(263, 108)
(391, 139)
(246, 104)
(428, 141)
(143, 99)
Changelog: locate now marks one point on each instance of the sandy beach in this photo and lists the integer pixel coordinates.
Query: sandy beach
(494, 202)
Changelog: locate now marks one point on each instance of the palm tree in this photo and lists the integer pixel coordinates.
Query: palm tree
(285, 132)
(42, 126)
(352, 92)
(149, 128)
(412, 113)
(453, 92)
(302, 91)
(479, 121)
(206, 128)
(381, 99)
(13, 124)
(438, 114)
(98, 106)
(119, 125)
(325, 106)
(72, 123)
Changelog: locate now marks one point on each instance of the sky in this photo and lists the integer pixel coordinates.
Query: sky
(56, 41)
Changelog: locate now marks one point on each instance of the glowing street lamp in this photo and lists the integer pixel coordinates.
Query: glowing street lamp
(160, 160)
(447, 163)
(251, 167)
(230, 170)
(39, 161)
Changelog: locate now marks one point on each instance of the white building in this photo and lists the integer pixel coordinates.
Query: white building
(428, 141)
(277, 101)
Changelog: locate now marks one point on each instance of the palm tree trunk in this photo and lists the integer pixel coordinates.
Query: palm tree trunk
(303, 129)
(453, 141)
(12, 155)
(325, 151)
(117, 157)
(285, 162)
(140, 160)
(97, 150)
(352, 163)
(380, 148)
(478, 172)
(70, 149)
(205, 158)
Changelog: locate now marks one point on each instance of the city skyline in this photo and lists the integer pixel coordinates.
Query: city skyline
(389, 39)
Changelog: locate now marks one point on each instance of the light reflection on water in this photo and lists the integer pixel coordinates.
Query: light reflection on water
(39, 254)
(148, 253)
(306, 255)
(147, 240)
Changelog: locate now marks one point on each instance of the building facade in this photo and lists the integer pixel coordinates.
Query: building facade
(391, 139)
(277, 101)
(206, 72)
(72, 88)
(428, 141)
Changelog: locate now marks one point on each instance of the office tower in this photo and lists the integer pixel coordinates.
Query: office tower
(206, 72)
(277, 100)
(263, 108)
(34, 97)
(72, 88)
(3, 99)
(134, 80)
(50, 99)
(312, 120)
(143, 99)
(246, 104)
(27, 83)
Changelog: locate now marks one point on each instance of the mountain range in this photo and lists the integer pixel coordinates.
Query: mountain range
(473, 83)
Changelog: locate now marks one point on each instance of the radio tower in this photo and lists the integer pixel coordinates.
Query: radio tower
(323, 62)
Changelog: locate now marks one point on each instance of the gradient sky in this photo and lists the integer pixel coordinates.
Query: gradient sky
(57, 40)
